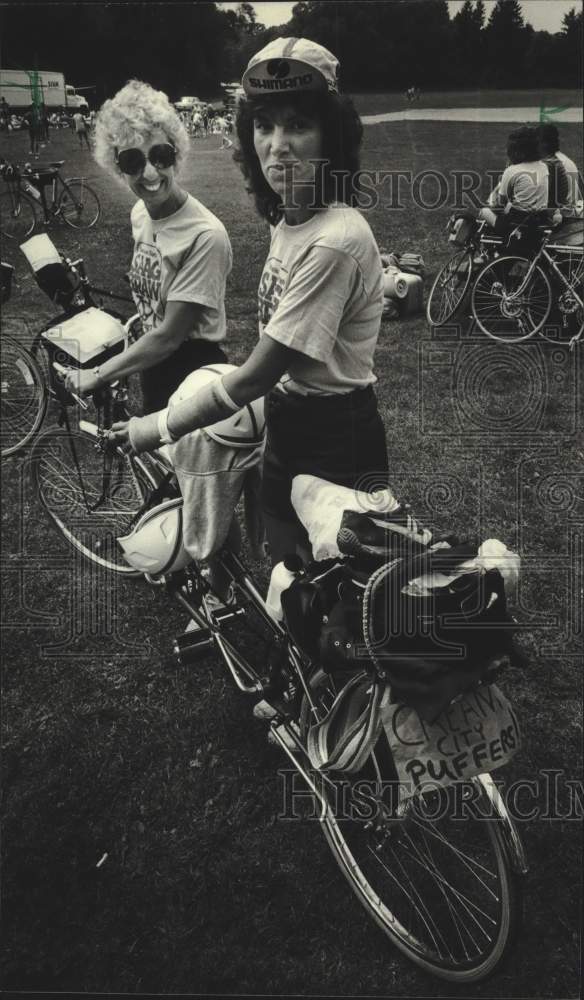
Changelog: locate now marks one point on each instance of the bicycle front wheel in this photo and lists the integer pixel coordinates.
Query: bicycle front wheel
(508, 305)
(17, 216)
(91, 497)
(449, 288)
(434, 872)
(79, 205)
(24, 396)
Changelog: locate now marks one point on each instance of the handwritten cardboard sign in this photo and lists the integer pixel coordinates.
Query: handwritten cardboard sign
(476, 734)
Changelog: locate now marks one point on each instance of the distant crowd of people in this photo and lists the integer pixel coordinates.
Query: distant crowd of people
(203, 120)
(38, 121)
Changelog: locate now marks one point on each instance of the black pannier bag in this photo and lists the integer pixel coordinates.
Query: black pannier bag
(436, 628)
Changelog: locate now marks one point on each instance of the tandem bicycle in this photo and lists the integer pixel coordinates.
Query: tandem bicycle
(444, 888)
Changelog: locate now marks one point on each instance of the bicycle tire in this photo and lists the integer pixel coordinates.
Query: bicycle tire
(24, 397)
(499, 312)
(16, 224)
(449, 288)
(408, 890)
(78, 204)
(72, 499)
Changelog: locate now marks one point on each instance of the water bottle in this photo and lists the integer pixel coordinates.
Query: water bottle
(283, 574)
(30, 189)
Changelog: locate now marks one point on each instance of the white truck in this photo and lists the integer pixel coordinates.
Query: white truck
(16, 86)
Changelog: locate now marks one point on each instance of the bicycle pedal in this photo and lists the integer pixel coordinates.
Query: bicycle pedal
(224, 612)
(192, 646)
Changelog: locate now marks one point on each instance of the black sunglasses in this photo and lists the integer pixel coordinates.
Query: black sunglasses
(133, 161)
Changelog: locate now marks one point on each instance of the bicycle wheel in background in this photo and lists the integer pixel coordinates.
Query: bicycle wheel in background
(449, 288)
(436, 877)
(24, 396)
(17, 216)
(79, 204)
(502, 308)
(91, 503)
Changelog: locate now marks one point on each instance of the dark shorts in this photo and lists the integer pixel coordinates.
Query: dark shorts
(338, 438)
(506, 221)
(159, 382)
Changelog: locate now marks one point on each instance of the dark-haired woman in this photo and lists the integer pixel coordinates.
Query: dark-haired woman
(524, 185)
(320, 294)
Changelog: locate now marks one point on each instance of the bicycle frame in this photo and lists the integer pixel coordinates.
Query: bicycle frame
(300, 668)
(543, 254)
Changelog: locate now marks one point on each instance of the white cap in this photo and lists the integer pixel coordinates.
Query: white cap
(291, 66)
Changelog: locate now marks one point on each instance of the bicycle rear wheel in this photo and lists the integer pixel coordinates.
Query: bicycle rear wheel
(449, 288)
(505, 310)
(435, 873)
(90, 505)
(17, 216)
(79, 205)
(24, 396)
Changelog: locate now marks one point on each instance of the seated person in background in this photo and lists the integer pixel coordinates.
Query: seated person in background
(524, 186)
(549, 140)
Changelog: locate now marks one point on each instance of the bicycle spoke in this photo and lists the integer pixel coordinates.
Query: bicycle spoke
(89, 507)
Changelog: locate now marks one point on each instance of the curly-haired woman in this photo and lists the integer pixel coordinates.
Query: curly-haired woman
(320, 295)
(182, 254)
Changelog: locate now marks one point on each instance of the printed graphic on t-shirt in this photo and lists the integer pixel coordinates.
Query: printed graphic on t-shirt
(272, 285)
(145, 282)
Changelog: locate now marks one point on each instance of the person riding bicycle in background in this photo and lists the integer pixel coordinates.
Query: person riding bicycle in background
(320, 294)
(182, 253)
(524, 186)
(549, 139)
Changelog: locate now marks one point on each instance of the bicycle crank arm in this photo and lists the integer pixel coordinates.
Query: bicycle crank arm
(237, 669)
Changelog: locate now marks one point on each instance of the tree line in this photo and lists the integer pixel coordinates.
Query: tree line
(190, 48)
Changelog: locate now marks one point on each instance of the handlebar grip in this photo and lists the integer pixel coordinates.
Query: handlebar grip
(62, 370)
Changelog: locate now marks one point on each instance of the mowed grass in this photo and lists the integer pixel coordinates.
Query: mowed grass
(143, 849)
(552, 97)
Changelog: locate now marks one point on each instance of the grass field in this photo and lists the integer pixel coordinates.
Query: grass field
(111, 749)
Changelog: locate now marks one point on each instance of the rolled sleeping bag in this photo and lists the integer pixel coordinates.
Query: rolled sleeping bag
(395, 285)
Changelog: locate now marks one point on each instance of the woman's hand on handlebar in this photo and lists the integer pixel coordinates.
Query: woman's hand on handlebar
(120, 435)
(83, 383)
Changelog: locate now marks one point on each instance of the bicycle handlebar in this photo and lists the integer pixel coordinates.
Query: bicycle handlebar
(64, 371)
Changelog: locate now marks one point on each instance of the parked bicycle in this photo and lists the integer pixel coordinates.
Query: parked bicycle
(513, 296)
(24, 394)
(71, 199)
(444, 889)
(29, 384)
(451, 285)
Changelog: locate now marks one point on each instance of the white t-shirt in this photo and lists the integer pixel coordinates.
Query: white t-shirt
(79, 120)
(524, 186)
(321, 293)
(573, 175)
(185, 257)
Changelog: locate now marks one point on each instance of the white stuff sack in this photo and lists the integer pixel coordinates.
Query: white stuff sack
(320, 505)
